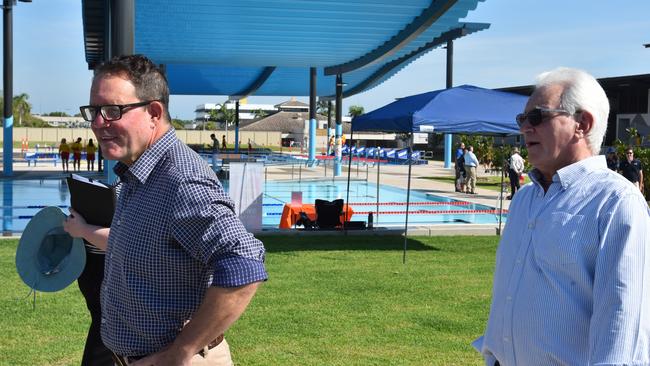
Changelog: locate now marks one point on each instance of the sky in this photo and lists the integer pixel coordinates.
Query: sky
(526, 37)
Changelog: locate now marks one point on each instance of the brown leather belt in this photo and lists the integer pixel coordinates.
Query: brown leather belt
(125, 360)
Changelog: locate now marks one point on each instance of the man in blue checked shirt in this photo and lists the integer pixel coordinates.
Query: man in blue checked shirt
(572, 277)
(180, 267)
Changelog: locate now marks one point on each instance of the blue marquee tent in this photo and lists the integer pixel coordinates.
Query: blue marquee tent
(463, 109)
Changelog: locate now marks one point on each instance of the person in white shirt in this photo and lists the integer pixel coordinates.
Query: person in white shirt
(572, 278)
(515, 170)
(471, 162)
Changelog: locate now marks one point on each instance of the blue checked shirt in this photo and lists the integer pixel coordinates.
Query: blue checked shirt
(174, 234)
(572, 279)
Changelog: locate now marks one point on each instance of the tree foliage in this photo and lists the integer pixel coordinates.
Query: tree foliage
(260, 113)
(322, 107)
(58, 114)
(355, 110)
(178, 124)
(224, 115)
(21, 108)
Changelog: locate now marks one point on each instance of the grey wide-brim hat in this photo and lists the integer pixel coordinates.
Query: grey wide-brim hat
(48, 259)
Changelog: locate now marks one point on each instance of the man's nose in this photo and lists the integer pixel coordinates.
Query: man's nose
(99, 121)
(526, 127)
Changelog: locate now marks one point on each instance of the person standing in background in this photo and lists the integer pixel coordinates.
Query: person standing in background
(471, 162)
(76, 148)
(215, 150)
(64, 154)
(612, 159)
(515, 170)
(632, 169)
(91, 149)
(459, 166)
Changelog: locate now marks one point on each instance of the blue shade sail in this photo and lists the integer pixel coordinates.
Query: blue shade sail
(266, 47)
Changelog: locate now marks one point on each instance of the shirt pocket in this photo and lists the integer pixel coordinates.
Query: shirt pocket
(560, 239)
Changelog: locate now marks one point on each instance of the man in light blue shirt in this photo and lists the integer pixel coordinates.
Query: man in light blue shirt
(572, 278)
(471, 162)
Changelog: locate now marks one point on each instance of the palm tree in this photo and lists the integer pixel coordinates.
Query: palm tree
(223, 114)
(21, 107)
(322, 107)
(260, 113)
(355, 110)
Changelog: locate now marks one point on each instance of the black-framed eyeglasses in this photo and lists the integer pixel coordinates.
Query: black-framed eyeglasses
(629, 153)
(110, 112)
(538, 115)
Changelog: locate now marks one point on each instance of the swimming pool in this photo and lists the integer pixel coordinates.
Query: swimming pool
(425, 209)
(23, 198)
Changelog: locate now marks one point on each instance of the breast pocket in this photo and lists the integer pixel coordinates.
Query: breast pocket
(561, 240)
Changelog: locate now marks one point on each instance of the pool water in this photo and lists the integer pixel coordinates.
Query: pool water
(424, 208)
(22, 199)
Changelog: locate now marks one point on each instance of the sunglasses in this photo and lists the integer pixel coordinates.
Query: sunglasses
(538, 115)
(110, 112)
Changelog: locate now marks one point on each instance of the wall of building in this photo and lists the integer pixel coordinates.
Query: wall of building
(52, 136)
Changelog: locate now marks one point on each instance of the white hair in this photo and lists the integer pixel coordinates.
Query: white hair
(581, 93)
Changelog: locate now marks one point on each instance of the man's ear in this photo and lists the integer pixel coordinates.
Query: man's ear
(585, 122)
(157, 111)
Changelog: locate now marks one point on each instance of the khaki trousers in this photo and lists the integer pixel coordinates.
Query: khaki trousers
(218, 356)
(470, 184)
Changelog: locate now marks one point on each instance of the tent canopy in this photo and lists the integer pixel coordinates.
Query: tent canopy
(464, 109)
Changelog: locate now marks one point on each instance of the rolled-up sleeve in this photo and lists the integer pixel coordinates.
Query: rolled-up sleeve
(207, 227)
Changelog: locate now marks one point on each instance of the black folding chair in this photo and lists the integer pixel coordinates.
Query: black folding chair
(328, 213)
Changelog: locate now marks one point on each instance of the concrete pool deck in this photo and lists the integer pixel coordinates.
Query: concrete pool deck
(394, 175)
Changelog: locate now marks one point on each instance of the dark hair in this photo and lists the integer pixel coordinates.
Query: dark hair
(149, 80)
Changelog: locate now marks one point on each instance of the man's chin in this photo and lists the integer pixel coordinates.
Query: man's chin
(109, 154)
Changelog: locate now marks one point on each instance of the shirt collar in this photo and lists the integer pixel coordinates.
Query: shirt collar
(572, 173)
(143, 166)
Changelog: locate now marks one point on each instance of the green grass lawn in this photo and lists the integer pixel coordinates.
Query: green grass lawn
(491, 182)
(330, 300)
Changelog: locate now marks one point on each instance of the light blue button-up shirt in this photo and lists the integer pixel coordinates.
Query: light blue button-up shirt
(572, 278)
(470, 159)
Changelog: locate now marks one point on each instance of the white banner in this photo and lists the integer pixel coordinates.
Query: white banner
(246, 189)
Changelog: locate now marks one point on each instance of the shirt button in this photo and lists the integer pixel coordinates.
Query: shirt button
(518, 261)
(531, 225)
(509, 298)
(103, 321)
(506, 339)
(119, 222)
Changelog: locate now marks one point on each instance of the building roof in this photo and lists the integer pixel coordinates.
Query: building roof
(286, 122)
(291, 103)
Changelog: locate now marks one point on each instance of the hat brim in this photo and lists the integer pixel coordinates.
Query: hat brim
(46, 221)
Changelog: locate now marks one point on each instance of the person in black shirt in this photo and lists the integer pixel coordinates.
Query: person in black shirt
(631, 169)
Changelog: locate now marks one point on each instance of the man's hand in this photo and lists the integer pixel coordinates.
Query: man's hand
(75, 224)
(77, 227)
(165, 357)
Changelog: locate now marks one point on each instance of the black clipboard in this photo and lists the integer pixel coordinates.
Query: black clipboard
(92, 199)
